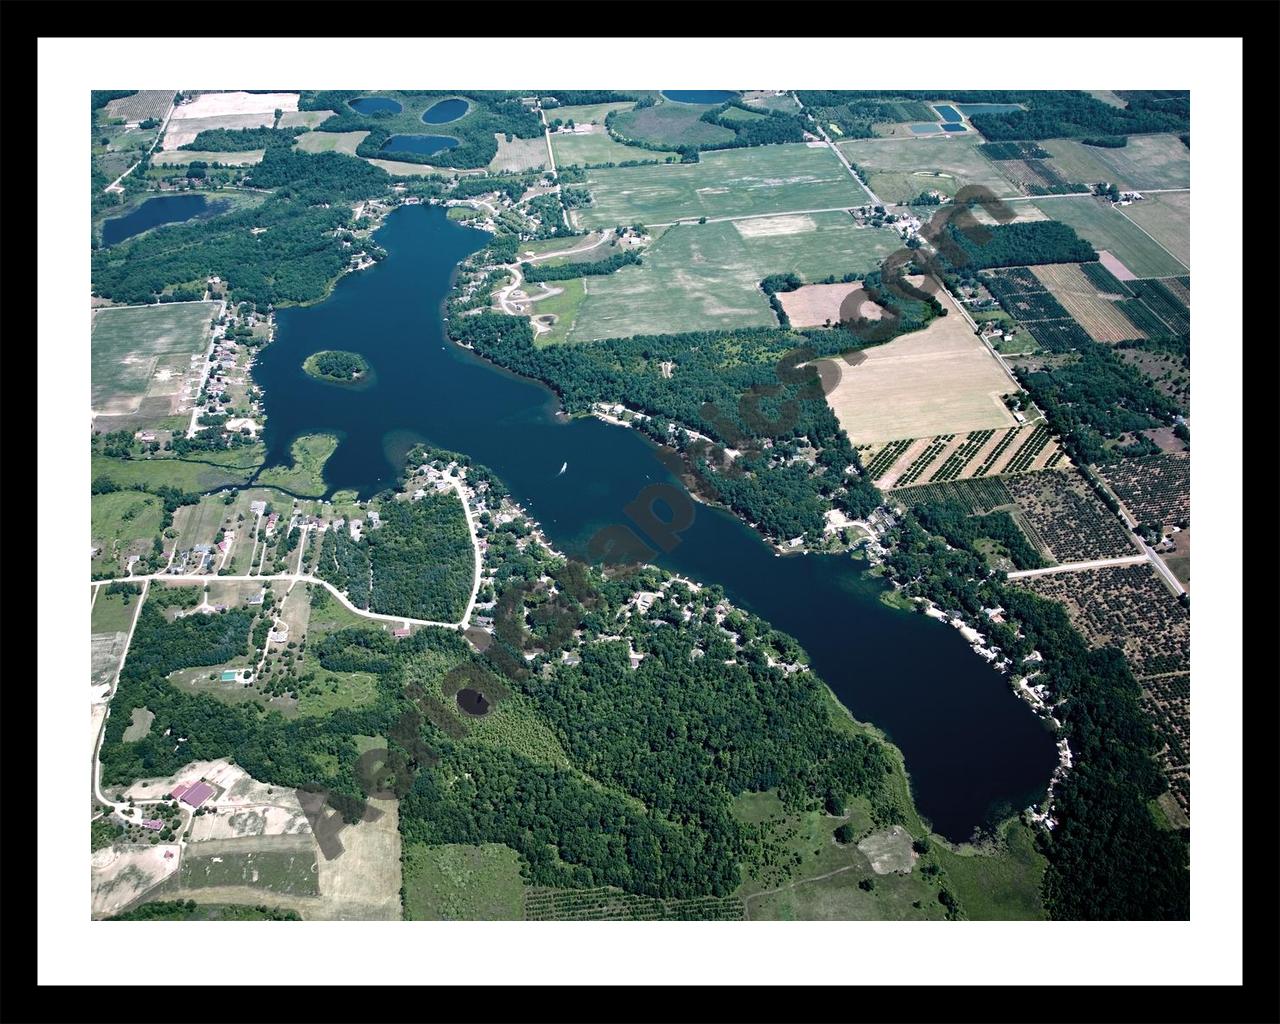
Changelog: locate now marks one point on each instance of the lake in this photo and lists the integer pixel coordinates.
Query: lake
(706, 96)
(157, 211)
(972, 748)
(418, 144)
(445, 111)
(375, 105)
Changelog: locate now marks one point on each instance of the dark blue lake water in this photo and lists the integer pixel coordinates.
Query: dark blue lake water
(157, 211)
(418, 144)
(375, 105)
(445, 111)
(954, 128)
(708, 96)
(947, 113)
(972, 748)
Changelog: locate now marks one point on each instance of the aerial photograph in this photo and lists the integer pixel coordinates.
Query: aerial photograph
(637, 505)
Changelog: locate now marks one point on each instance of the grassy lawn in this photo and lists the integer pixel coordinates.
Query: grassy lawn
(462, 883)
(597, 148)
(1105, 227)
(306, 476)
(710, 274)
(729, 183)
(123, 523)
(587, 113)
(1001, 885)
(564, 307)
(900, 169)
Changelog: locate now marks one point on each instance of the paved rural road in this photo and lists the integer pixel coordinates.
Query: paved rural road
(1097, 563)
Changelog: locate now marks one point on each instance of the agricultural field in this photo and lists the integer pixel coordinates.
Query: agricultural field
(670, 124)
(710, 274)
(605, 904)
(141, 106)
(304, 118)
(120, 875)
(1101, 318)
(142, 358)
(330, 142)
(1156, 489)
(232, 110)
(1105, 227)
(730, 183)
(597, 147)
(972, 456)
(519, 154)
(587, 113)
(462, 883)
(1144, 162)
(1069, 517)
(111, 614)
(942, 379)
(900, 169)
(816, 305)
(1166, 217)
(770, 99)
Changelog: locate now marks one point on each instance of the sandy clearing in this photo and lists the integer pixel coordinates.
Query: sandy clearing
(941, 380)
(262, 820)
(1115, 266)
(221, 104)
(179, 133)
(120, 876)
(889, 850)
(816, 304)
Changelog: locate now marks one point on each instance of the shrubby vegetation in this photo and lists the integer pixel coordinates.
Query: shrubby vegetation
(611, 265)
(239, 140)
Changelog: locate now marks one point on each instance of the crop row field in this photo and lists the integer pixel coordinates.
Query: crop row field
(1143, 162)
(729, 183)
(974, 457)
(143, 359)
(604, 904)
(1156, 489)
(148, 103)
(1071, 519)
(709, 275)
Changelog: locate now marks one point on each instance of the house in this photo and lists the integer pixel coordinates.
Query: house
(375, 520)
(146, 435)
(256, 598)
(400, 633)
(194, 795)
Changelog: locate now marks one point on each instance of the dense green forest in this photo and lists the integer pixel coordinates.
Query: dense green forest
(336, 365)
(419, 562)
(1015, 245)
(233, 140)
(288, 249)
(1051, 114)
(1107, 857)
(190, 910)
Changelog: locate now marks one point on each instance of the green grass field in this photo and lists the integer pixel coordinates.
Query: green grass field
(597, 148)
(670, 125)
(283, 864)
(462, 883)
(709, 274)
(306, 476)
(1146, 161)
(1166, 217)
(729, 183)
(519, 154)
(137, 351)
(198, 524)
(111, 614)
(587, 113)
(1105, 227)
(330, 142)
(900, 169)
(232, 467)
(121, 522)
(565, 307)
(998, 886)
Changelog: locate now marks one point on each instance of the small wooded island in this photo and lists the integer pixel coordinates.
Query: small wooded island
(341, 367)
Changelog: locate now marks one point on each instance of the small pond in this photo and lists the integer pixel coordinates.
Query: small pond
(473, 702)
(419, 143)
(969, 109)
(954, 128)
(375, 105)
(445, 111)
(947, 113)
(161, 210)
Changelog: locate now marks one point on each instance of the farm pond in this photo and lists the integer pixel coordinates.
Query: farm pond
(426, 144)
(974, 751)
(157, 211)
